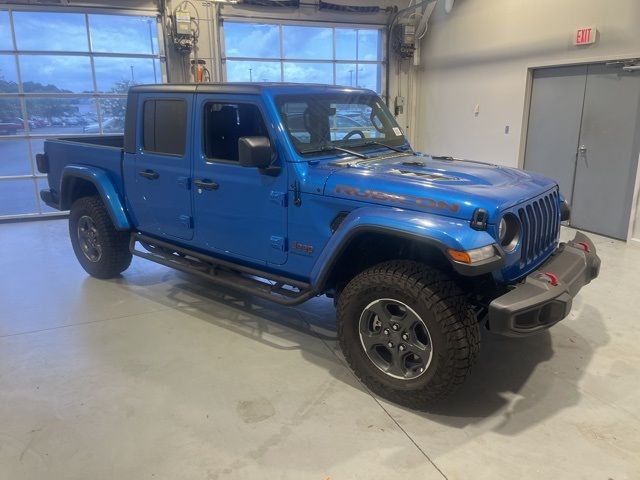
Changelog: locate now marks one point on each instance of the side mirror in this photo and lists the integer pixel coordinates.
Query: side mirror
(254, 152)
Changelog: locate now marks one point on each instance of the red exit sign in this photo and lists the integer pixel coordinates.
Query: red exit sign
(585, 36)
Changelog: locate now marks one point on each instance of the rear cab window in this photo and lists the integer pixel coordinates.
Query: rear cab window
(164, 126)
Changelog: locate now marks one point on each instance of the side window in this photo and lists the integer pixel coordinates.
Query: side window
(164, 126)
(225, 124)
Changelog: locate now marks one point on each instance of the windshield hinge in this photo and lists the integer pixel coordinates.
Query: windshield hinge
(297, 201)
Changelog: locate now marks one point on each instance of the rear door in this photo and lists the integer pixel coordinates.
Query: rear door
(242, 212)
(159, 187)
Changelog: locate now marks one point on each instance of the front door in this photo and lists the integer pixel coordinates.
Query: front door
(240, 211)
(160, 195)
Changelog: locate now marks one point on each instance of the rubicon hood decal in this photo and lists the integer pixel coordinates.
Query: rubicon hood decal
(406, 200)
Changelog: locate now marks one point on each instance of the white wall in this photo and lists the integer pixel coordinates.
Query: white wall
(480, 54)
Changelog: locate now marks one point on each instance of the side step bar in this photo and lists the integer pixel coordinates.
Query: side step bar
(284, 291)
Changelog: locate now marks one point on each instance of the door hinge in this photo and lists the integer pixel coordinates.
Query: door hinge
(184, 182)
(185, 220)
(279, 198)
(279, 243)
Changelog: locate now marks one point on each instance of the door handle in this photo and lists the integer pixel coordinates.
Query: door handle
(582, 152)
(206, 184)
(150, 174)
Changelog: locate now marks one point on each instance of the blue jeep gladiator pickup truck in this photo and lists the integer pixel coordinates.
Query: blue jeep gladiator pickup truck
(289, 191)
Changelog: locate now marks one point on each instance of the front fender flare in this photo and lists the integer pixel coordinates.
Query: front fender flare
(439, 231)
(107, 191)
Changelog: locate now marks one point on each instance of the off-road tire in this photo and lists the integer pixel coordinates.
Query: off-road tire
(115, 256)
(439, 302)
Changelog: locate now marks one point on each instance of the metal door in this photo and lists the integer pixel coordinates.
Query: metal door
(607, 151)
(554, 123)
(583, 132)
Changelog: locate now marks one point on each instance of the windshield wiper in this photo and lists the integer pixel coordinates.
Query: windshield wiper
(332, 148)
(375, 142)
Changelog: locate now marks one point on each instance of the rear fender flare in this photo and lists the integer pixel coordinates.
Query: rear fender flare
(103, 184)
(437, 231)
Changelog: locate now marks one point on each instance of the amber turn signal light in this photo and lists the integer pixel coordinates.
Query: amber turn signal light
(472, 256)
(459, 256)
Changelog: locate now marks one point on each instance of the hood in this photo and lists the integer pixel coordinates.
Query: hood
(454, 188)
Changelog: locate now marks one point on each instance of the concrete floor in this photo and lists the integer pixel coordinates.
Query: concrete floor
(159, 375)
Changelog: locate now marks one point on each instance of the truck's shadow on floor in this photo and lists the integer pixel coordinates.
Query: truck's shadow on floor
(522, 381)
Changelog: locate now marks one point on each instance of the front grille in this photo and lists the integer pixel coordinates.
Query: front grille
(540, 220)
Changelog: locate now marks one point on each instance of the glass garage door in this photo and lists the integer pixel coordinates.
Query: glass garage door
(63, 74)
(259, 52)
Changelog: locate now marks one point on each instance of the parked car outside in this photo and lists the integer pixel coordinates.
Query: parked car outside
(10, 126)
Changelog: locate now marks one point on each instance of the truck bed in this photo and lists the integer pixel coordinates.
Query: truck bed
(104, 152)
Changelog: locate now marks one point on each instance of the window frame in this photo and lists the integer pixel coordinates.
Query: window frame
(382, 62)
(230, 101)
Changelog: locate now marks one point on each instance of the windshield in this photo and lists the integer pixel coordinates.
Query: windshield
(319, 122)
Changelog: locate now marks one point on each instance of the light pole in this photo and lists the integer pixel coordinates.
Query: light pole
(351, 78)
(250, 75)
(133, 78)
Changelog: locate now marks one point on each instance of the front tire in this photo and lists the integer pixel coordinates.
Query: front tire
(102, 250)
(407, 332)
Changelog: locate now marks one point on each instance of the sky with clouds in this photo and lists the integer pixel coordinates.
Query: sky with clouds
(51, 32)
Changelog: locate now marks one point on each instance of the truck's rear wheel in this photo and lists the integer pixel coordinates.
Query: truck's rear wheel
(407, 332)
(102, 250)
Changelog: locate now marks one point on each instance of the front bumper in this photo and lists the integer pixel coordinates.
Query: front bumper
(545, 296)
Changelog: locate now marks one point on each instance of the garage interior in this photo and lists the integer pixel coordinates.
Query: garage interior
(160, 374)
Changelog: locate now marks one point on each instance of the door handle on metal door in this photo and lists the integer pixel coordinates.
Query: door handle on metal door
(206, 184)
(150, 174)
(582, 152)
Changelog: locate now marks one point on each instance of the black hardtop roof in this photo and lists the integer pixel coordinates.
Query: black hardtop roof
(244, 88)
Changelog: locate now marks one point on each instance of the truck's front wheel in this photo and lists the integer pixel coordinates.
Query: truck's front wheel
(102, 250)
(407, 332)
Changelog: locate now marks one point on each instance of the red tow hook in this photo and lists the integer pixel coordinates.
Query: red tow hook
(553, 279)
(585, 246)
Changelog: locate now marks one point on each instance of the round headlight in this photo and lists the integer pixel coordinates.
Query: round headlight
(509, 232)
(502, 229)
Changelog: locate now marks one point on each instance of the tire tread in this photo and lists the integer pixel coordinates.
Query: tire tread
(459, 327)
